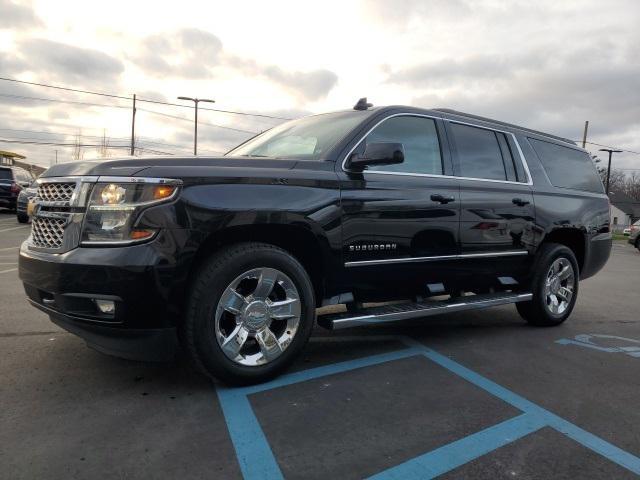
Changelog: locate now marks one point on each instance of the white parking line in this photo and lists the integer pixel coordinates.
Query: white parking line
(10, 270)
(14, 228)
(8, 248)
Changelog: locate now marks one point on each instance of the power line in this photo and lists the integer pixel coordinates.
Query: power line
(72, 102)
(121, 97)
(82, 145)
(609, 146)
(146, 140)
(201, 123)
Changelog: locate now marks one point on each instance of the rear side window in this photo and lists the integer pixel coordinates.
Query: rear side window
(5, 174)
(567, 167)
(478, 153)
(419, 137)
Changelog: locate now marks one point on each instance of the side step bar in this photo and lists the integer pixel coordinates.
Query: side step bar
(404, 311)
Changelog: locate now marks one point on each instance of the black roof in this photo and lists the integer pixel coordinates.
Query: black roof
(504, 124)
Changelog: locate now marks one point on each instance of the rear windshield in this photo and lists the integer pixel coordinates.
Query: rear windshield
(6, 174)
(567, 167)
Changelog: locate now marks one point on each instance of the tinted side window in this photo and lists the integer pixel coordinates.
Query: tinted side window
(567, 167)
(6, 174)
(479, 154)
(421, 145)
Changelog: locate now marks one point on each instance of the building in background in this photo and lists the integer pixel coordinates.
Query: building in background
(11, 159)
(624, 210)
(7, 159)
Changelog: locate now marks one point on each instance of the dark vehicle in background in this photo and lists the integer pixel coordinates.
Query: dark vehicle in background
(12, 181)
(634, 235)
(430, 211)
(22, 203)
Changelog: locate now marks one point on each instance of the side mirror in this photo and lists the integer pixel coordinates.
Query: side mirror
(377, 154)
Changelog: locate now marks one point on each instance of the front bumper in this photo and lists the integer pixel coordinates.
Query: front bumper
(150, 344)
(145, 282)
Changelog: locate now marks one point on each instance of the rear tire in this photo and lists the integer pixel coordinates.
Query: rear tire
(22, 218)
(554, 286)
(250, 313)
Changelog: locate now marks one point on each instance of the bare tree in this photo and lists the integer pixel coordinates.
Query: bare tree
(104, 148)
(78, 153)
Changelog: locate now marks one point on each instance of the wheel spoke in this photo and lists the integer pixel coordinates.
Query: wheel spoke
(285, 309)
(565, 273)
(268, 343)
(555, 304)
(232, 301)
(564, 293)
(266, 282)
(234, 342)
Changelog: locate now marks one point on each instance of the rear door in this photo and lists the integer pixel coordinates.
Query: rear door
(497, 209)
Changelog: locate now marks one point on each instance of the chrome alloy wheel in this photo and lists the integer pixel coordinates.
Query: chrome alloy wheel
(257, 316)
(559, 286)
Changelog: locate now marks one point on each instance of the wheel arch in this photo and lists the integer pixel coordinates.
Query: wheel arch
(572, 238)
(300, 241)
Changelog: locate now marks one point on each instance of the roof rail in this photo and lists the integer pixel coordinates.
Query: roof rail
(505, 124)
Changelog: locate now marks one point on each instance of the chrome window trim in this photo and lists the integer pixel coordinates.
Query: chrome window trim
(437, 258)
(529, 181)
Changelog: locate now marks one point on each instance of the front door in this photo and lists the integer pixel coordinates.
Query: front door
(400, 222)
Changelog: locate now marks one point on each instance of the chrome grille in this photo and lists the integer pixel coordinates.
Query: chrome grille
(47, 232)
(56, 192)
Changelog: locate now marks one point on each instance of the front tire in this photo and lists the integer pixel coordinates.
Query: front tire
(250, 313)
(22, 218)
(554, 286)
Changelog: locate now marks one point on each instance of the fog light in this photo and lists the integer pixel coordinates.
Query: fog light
(107, 307)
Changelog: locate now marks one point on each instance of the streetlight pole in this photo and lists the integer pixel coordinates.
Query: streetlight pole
(195, 131)
(611, 152)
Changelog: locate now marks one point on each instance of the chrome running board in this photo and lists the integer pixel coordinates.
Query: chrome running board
(405, 311)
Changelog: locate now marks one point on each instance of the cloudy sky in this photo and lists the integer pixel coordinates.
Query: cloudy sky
(548, 65)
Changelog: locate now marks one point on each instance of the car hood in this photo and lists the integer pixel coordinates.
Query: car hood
(163, 166)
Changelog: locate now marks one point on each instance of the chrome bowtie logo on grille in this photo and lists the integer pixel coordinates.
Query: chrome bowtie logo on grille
(372, 247)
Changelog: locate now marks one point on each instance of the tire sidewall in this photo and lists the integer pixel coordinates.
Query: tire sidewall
(209, 351)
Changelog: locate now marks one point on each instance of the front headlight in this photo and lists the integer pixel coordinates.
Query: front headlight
(115, 206)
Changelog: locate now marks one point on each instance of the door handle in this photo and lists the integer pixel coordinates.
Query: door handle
(520, 202)
(436, 197)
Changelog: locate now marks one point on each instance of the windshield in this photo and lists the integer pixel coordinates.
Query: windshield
(308, 138)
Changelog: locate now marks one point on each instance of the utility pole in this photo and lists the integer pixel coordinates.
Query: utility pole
(611, 152)
(56, 157)
(195, 131)
(584, 136)
(133, 126)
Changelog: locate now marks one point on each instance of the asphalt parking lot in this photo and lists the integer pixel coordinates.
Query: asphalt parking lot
(475, 395)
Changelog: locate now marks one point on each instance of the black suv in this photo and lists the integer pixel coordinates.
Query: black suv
(12, 181)
(427, 211)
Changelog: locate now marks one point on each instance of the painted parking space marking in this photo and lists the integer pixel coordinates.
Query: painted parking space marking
(10, 270)
(14, 228)
(257, 461)
(590, 341)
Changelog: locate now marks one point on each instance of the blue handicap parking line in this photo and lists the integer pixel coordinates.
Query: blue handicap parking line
(257, 461)
(446, 458)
